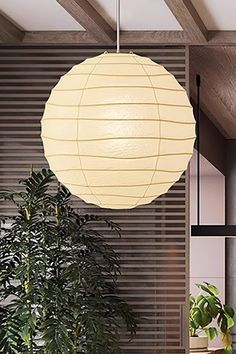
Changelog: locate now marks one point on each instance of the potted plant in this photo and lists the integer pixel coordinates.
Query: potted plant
(58, 276)
(205, 308)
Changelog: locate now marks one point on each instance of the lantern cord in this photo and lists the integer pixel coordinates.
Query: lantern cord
(198, 84)
(118, 26)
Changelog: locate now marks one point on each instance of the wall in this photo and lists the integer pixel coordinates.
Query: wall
(212, 196)
(207, 254)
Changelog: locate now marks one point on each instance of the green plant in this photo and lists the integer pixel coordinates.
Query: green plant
(207, 307)
(58, 276)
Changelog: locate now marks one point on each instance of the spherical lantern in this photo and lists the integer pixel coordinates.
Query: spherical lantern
(118, 130)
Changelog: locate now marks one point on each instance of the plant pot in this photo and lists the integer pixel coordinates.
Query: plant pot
(198, 344)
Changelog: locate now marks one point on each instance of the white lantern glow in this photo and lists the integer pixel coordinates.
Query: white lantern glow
(118, 130)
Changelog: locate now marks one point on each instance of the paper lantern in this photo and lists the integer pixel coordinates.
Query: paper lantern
(118, 130)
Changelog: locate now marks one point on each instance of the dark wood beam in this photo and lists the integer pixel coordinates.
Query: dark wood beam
(222, 37)
(127, 37)
(88, 17)
(188, 18)
(9, 32)
(153, 37)
(131, 37)
(218, 84)
(59, 37)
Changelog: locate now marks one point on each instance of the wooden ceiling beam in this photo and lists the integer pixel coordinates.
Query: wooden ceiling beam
(127, 37)
(131, 37)
(188, 18)
(153, 37)
(222, 37)
(9, 32)
(88, 17)
(59, 37)
(218, 85)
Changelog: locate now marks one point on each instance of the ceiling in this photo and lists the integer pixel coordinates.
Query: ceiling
(39, 15)
(48, 15)
(139, 14)
(217, 14)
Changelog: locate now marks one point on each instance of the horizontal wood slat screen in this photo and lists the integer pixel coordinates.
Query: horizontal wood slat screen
(154, 245)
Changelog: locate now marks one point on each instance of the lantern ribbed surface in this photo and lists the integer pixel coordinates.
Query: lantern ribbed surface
(118, 130)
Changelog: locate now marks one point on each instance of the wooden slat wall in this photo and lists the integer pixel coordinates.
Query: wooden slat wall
(154, 246)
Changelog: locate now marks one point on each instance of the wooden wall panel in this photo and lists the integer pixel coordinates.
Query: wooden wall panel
(154, 246)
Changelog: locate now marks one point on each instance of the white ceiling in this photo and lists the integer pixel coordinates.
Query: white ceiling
(217, 14)
(139, 14)
(39, 15)
(46, 15)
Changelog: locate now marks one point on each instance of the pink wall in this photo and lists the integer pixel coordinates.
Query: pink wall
(207, 254)
(212, 196)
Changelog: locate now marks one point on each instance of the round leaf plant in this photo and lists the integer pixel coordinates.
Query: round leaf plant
(207, 307)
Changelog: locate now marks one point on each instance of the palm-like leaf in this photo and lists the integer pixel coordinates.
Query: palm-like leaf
(58, 276)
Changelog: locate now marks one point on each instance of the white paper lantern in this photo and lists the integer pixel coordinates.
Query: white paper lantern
(118, 130)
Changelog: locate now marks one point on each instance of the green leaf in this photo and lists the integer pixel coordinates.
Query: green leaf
(229, 310)
(201, 300)
(208, 288)
(65, 274)
(213, 307)
(211, 332)
(213, 289)
(191, 300)
(206, 319)
(227, 341)
(224, 324)
(230, 322)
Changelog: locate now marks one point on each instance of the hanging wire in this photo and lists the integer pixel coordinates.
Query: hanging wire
(198, 84)
(118, 26)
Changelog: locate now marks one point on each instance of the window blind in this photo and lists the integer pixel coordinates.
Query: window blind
(154, 245)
